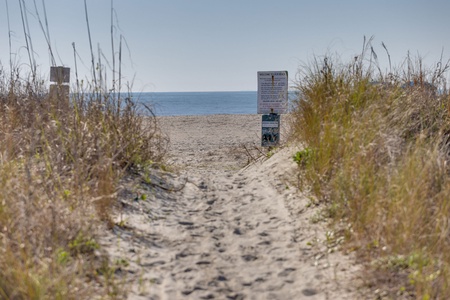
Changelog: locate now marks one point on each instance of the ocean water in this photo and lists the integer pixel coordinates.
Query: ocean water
(199, 103)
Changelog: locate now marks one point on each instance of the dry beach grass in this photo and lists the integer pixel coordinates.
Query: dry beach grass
(59, 166)
(377, 152)
(60, 161)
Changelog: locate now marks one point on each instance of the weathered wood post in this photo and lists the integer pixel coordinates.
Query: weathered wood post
(59, 89)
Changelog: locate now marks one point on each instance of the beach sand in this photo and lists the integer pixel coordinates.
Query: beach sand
(227, 222)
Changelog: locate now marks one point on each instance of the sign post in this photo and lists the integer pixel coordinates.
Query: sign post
(59, 89)
(272, 101)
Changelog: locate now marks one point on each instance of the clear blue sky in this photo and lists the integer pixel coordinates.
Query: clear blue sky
(212, 45)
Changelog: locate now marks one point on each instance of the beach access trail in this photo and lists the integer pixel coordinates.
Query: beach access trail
(225, 224)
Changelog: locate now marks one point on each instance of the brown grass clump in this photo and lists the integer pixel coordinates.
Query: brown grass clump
(60, 162)
(377, 153)
(61, 157)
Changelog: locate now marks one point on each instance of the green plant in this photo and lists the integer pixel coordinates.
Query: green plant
(304, 156)
(82, 245)
(62, 256)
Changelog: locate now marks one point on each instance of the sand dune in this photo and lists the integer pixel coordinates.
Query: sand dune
(221, 228)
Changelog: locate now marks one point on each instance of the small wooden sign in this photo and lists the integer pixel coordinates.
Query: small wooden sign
(60, 74)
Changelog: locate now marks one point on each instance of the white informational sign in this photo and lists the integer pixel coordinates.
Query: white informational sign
(272, 92)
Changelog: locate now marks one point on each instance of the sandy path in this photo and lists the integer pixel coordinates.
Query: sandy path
(224, 232)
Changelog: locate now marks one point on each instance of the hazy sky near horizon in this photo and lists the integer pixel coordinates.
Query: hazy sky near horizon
(212, 45)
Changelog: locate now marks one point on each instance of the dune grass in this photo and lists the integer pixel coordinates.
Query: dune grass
(61, 158)
(377, 153)
(60, 162)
